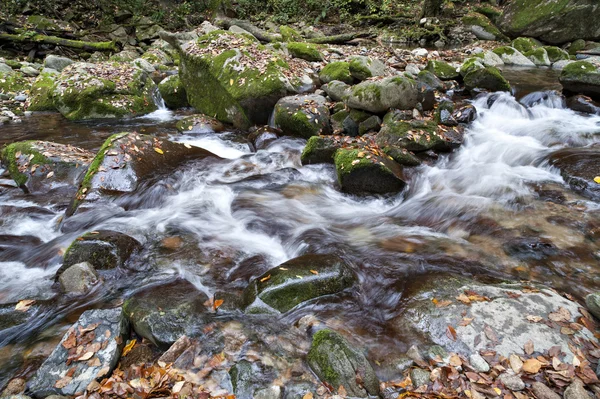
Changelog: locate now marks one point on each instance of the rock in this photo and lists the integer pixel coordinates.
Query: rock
(444, 114)
(4, 69)
(38, 166)
(289, 34)
(553, 22)
(78, 278)
(347, 121)
(199, 124)
(103, 249)
(576, 391)
(378, 96)
(560, 65)
(556, 54)
(261, 138)
(41, 93)
(429, 79)
(524, 44)
(139, 355)
(338, 363)
(584, 104)
(125, 160)
(144, 65)
(579, 167)
(338, 70)
(419, 377)
(479, 363)
(362, 68)
(14, 387)
(302, 115)
(319, 149)
(105, 90)
(512, 381)
(359, 174)
(13, 82)
(146, 30)
(592, 301)
(371, 124)
(279, 290)
(442, 70)
(542, 391)
(29, 71)
(108, 331)
(248, 379)
(164, 313)
(57, 62)
(489, 58)
(538, 56)
(306, 51)
(482, 27)
(465, 114)
(173, 92)
(488, 78)
(481, 33)
(157, 57)
(125, 56)
(511, 56)
(581, 77)
(337, 90)
(419, 52)
(235, 79)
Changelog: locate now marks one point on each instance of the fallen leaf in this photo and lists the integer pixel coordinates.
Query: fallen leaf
(561, 314)
(451, 333)
(262, 280)
(528, 347)
(465, 321)
(597, 179)
(534, 319)
(218, 302)
(308, 395)
(441, 304)
(158, 150)
(49, 175)
(314, 272)
(532, 366)
(128, 347)
(178, 386)
(490, 334)
(24, 305)
(86, 356)
(515, 363)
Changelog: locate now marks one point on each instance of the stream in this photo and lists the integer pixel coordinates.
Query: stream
(240, 216)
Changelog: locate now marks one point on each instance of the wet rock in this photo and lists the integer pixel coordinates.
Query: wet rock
(14, 387)
(223, 80)
(479, 363)
(249, 380)
(362, 68)
(125, 160)
(41, 93)
(338, 363)
(556, 54)
(302, 115)
(585, 104)
(592, 301)
(581, 77)
(178, 347)
(338, 70)
(319, 149)
(542, 391)
(299, 390)
(173, 92)
(487, 78)
(524, 44)
(306, 51)
(164, 313)
(359, 173)
(371, 124)
(512, 56)
(102, 334)
(525, 248)
(261, 138)
(579, 167)
(442, 70)
(430, 80)
(550, 97)
(337, 90)
(37, 166)
(512, 381)
(295, 282)
(576, 391)
(378, 96)
(465, 114)
(419, 377)
(139, 355)
(538, 56)
(78, 278)
(444, 114)
(198, 124)
(104, 90)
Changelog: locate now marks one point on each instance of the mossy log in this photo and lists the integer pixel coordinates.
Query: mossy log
(340, 39)
(75, 44)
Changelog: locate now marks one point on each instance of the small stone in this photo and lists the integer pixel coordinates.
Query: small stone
(21, 98)
(414, 354)
(479, 363)
(541, 391)
(576, 391)
(14, 387)
(30, 71)
(419, 377)
(78, 279)
(592, 301)
(512, 382)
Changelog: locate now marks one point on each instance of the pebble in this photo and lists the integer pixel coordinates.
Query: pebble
(541, 391)
(512, 382)
(414, 354)
(419, 52)
(21, 97)
(419, 377)
(576, 391)
(479, 363)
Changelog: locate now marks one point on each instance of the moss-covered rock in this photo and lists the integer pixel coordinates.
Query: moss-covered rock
(444, 114)
(471, 64)
(56, 62)
(336, 90)
(359, 172)
(302, 115)
(581, 77)
(173, 92)
(487, 78)
(289, 34)
(319, 149)
(336, 362)
(430, 80)
(362, 67)
(337, 70)
(347, 121)
(297, 281)
(157, 56)
(556, 53)
(538, 56)
(486, 29)
(37, 166)
(511, 56)
(236, 79)
(40, 95)
(306, 51)
(442, 70)
(576, 46)
(199, 124)
(524, 44)
(13, 82)
(377, 96)
(105, 90)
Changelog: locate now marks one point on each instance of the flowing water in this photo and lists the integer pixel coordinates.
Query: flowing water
(251, 211)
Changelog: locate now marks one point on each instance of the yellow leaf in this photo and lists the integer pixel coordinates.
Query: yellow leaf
(24, 305)
(498, 391)
(262, 280)
(597, 179)
(532, 366)
(158, 150)
(308, 395)
(128, 347)
(230, 82)
(314, 272)
(86, 356)
(355, 161)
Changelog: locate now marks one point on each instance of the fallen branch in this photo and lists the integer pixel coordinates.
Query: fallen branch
(340, 39)
(76, 44)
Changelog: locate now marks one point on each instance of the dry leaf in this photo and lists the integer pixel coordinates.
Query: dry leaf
(178, 386)
(262, 280)
(86, 356)
(24, 305)
(308, 395)
(532, 366)
(158, 150)
(451, 333)
(218, 302)
(128, 347)
(528, 347)
(534, 319)
(515, 363)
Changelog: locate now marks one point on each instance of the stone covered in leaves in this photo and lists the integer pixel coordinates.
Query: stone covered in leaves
(236, 79)
(164, 313)
(173, 92)
(302, 115)
(340, 365)
(104, 90)
(38, 165)
(581, 77)
(88, 351)
(378, 96)
(297, 281)
(199, 124)
(580, 167)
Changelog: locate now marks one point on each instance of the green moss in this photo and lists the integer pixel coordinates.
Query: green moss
(577, 45)
(26, 148)
(289, 34)
(488, 78)
(320, 358)
(532, 11)
(367, 92)
(319, 149)
(538, 56)
(578, 70)
(344, 160)
(13, 64)
(524, 44)
(173, 92)
(359, 69)
(41, 93)
(556, 53)
(13, 83)
(442, 70)
(305, 51)
(477, 19)
(338, 70)
(491, 12)
(504, 50)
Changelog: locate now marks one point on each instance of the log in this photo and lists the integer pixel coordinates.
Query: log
(340, 39)
(258, 33)
(75, 44)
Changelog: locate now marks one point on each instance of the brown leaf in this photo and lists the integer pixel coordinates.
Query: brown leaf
(86, 356)
(24, 305)
(532, 366)
(451, 333)
(528, 347)
(465, 321)
(262, 280)
(515, 363)
(561, 314)
(534, 319)
(441, 304)
(490, 334)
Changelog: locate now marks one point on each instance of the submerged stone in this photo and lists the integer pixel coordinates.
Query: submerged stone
(581, 77)
(580, 167)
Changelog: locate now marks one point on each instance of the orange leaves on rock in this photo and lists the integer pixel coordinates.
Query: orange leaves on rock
(532, 366)
(466, 321)
(561, 314)
(534, 319)
(470, 296)
(441, 304)
(451, 333)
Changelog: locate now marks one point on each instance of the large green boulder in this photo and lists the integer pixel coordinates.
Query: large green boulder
(482, 27)
(359, 172)
(378, 96)
(362, 67)
(338, 363)
(40, 95)
(173, 92)
(487, 78)
(103, 90)
(297, 281)
(524, 44)
(512, 56)
(302, 115)
(552, 21)
(320, 149)
(234, 78)
(337, 70)
(581, 77)
(556, 53)
(538, 56)
(442, 70)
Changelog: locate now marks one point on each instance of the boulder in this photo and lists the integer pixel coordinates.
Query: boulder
(361, 173)
(4, 69)
(306, 51)
(197, 124)
(104, 90)
(38, 166)
(144, 65)
(173, 92)
(40, 95)
(297, 281)
(556, 53)
(302, 115)
(157, 57)
(319, 149)
(430, 80)
(592, 302)
(338, 363)
(362, 68)
(29, 71)
(57, 62)
(538, 56)
(89, 351)
(289, 34)
(580, 167)
(488, 78)
(164, 313)
(552, 21)
(347, 121)
(236, 79)
(524, 44)
(585, 104)
(581, 77)
(337, 70)
(125, 160)
(378, 96)
(337, 90)
(262, 137)
(78, 278)
(511, 56)
(13, 82)
(482, 27)
(442, 70)
(103, 249)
